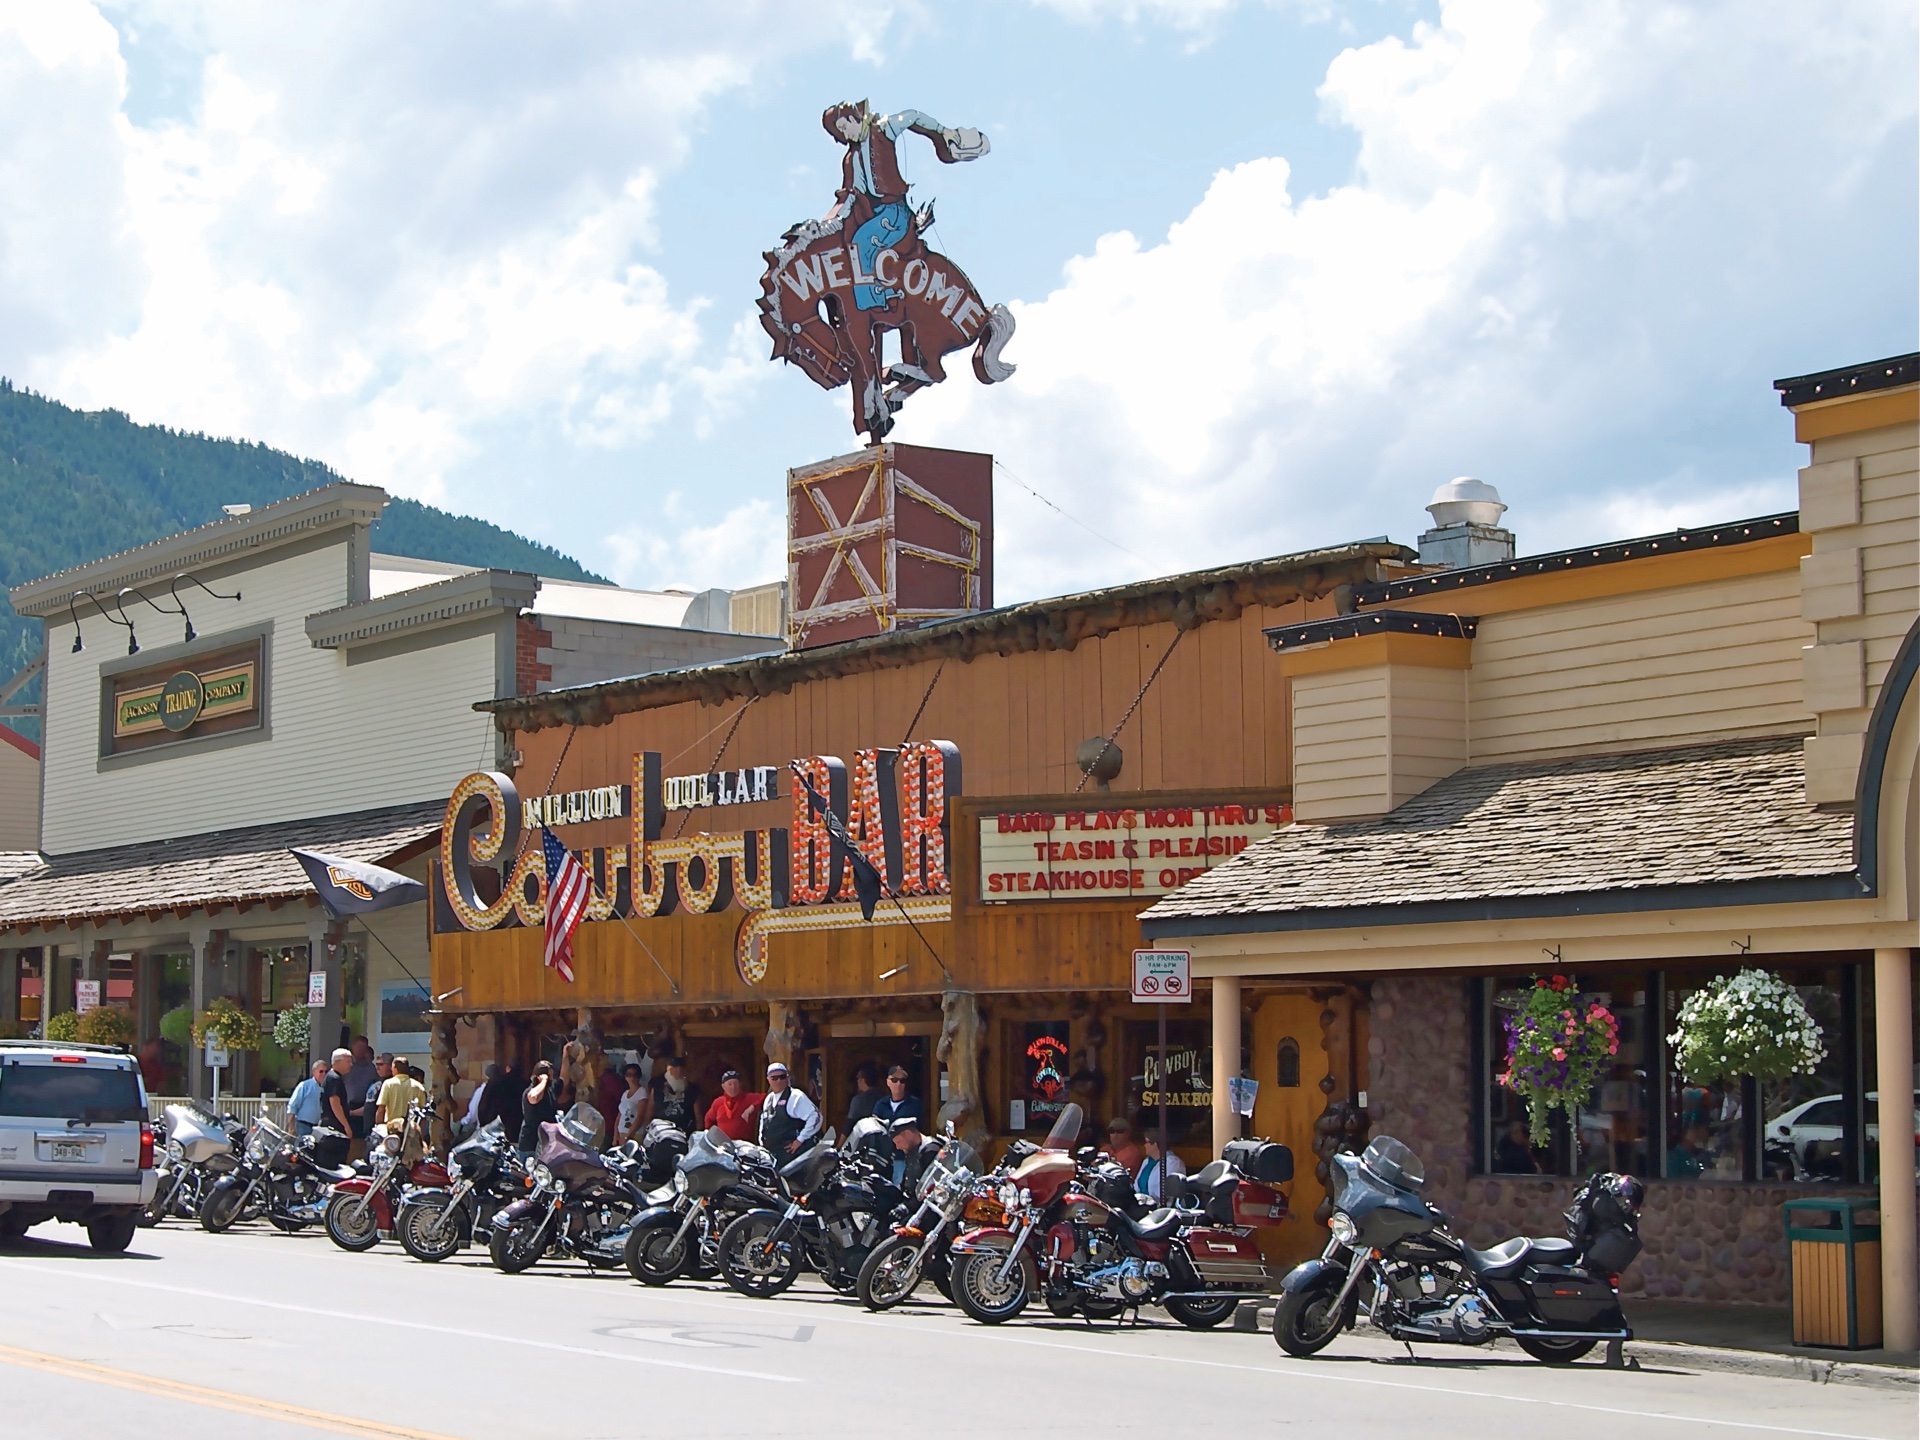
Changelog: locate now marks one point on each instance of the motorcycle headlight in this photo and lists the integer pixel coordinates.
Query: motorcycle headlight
(541, 1175)
(1343, 1228)
(679, 1182)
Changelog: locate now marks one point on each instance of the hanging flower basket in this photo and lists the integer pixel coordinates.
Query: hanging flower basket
(227, 1025)
(1558, 1047)
(293, 1030)
(1753, 1023)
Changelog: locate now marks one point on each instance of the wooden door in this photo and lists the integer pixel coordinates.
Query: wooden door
(1289, 1062)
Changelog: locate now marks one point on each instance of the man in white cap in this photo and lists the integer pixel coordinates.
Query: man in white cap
(789, 1121)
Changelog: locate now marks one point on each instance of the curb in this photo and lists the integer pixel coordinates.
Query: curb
(1254, 1316)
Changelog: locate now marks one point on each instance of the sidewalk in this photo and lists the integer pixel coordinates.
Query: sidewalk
(1753, 1338)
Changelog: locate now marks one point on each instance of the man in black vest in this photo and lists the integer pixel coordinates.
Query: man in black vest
(676, 1099)
(789, 1121)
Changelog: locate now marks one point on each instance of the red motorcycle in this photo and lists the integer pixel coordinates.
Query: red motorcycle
(362, 1208)
(1080, 1237)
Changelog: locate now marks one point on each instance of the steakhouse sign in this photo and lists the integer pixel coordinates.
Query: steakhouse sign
(1147, 850)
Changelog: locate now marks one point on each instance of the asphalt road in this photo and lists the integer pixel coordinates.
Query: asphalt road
(255, 1334)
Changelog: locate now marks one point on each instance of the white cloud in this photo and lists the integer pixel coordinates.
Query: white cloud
(371, 235)
(1563, 221)
(746, 546)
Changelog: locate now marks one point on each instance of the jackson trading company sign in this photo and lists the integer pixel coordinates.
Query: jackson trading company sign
(895, 803)
(1144, 850)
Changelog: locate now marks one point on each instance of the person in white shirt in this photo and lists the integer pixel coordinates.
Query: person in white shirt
(789, 1121)
(470, 1122)
(1155, 1168)
(630, 1102)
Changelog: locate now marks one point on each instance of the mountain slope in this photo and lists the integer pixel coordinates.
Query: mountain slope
(76, 485)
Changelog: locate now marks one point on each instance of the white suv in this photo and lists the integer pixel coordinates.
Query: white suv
(75, 1143)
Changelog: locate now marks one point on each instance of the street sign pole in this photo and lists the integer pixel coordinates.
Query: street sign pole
(1160, 1171)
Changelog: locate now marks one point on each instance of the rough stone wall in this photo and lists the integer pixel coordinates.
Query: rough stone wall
(1703, 1239)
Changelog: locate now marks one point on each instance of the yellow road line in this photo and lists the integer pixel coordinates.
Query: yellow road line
(212, 1399)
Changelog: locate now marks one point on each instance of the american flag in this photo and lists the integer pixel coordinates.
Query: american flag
(568, 890)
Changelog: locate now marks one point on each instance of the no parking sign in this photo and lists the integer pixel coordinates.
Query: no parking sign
(1163, 977)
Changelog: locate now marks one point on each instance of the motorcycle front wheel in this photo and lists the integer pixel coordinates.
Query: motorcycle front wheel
(656, 1253)
(1202, 1314)
(1554, 1352)
(350, 1231)
(754, 1262)
(155, 1210)
(891, 1273)
(516, 1246)
(428, 1231)
(1305, 1321)
(979, 1289)
(219, 1210)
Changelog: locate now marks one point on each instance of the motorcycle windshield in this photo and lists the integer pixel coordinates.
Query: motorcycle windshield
(1065, 1131)
(1393, 1164)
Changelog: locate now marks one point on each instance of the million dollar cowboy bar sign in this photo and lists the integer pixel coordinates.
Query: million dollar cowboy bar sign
(895, 804)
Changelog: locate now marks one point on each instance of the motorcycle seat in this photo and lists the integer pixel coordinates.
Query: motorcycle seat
(1504, 1261)
(1155, 1224)
(337, 1172)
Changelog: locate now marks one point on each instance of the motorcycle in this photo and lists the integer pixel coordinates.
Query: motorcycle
(1392, 1253)
(294, 1177)
(951, 1194)
(714, 1181)
(1101, 1248)
(363, 1207)
(838, 1203)
(579, 1201)
(434, 1223)
(197, 1148)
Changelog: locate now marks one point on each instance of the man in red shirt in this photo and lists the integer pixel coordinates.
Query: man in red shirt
(734, 1109)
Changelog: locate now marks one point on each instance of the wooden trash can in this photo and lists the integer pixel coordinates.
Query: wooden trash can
(1836, 1271)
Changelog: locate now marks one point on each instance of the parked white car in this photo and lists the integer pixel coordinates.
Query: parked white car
(1811, 1133)
(75, 1142)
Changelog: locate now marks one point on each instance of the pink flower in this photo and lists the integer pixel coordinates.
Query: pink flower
(1558, 1053)
(1614, 1048)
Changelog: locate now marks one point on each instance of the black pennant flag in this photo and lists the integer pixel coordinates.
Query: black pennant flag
(868, 887)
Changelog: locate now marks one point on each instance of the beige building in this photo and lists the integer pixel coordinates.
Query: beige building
(1642, 765)
(267, 681)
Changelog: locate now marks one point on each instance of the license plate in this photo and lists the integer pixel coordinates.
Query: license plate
(69, 1150)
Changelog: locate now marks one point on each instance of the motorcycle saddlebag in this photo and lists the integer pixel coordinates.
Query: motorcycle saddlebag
(1227, 1260)
(1267, 1161)
(330, 1149)
(1256, 1204)
(1574, 1300)
(1612, 1248)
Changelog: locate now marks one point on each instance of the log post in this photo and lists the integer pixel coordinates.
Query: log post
(961, 1032)
(786, 1039)
(443, 1049)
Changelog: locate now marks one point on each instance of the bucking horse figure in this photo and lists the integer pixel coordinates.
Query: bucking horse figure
(837, 284)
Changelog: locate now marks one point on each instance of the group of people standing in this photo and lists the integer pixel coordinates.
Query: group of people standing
(355, 1090)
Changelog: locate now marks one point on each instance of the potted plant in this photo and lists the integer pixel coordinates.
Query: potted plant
(226, 1025)
(1558, 1047)
(1752, 1023)
(105, 1025)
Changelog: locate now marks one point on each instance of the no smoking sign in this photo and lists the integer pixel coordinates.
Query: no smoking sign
(1163, 976)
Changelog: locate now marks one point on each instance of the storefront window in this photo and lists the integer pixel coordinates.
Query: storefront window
(1188, 1078)
(1644, 1118)
(1805, 1125)
(1871, 1068)
(1706, 1123)
(1614, 1131)
(29, 982)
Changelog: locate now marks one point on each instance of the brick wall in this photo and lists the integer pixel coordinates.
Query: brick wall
(528, 668)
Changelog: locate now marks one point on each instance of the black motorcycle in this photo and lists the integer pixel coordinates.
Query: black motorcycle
(715, 1180)
(1391, 1254)
(294, 1177)
(578, 1202)
(839, 1205)
(435, 1223)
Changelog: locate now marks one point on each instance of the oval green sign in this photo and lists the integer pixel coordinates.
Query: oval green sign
(180, 701)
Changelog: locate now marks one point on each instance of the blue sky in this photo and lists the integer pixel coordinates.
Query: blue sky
(1280, 269)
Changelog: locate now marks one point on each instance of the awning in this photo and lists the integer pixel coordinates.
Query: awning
(1715, 824)
(208, 872)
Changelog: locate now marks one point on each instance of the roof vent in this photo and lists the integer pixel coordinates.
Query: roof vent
(1466, 526)
(236, 511)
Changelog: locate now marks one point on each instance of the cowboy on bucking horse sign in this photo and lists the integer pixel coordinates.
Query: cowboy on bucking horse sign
(839, 283)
